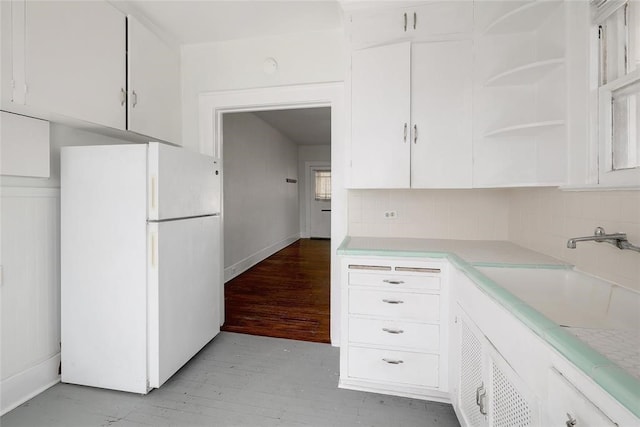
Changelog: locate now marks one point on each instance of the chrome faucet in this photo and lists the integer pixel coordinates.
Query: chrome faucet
(618, 240)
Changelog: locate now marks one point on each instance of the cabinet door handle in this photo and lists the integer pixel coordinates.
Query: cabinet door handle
(415, 20)
(123, 97)
(481, 393)
(134, 99)
(393, 331)
(393, 301)
(405, 132)
(415, 134)
(405, 22)
(393, 361)
(393, 282)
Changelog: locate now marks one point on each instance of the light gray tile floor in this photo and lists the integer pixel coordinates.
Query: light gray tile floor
(236, 380)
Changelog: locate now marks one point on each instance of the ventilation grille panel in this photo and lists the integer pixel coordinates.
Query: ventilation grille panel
(508, 407)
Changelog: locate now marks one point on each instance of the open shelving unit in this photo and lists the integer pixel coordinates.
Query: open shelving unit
(525, 129)
(520, 86)
(525, 74)
(522, 19)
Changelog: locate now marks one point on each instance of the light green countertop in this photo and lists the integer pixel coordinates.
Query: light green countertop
(466, 255)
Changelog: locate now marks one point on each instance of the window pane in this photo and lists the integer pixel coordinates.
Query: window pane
(626, 127)
(323, 185)
(613, 46)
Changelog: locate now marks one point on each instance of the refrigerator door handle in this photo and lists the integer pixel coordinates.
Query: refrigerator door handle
(154, 249)
(154, 192)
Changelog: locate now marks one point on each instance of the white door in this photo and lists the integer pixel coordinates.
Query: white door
(319, 202)
(182, 183)
(380, 115)
(184, 284)
(154, 84)
(441, 82)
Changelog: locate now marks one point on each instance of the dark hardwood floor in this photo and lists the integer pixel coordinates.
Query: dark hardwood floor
(285, 296)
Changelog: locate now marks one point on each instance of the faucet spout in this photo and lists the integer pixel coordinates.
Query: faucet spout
(618, 240)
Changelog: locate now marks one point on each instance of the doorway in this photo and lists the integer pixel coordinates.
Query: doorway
(277, 284)
(214, 104)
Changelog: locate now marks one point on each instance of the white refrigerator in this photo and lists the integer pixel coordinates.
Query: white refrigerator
(140, 262)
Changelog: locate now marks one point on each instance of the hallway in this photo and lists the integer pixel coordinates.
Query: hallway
(285, 296)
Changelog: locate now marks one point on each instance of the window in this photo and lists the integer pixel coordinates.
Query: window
(323, 184)
(618, 29)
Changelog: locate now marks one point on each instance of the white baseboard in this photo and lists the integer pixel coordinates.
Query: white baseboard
(304, 235)
(21, 387)
(245, 264)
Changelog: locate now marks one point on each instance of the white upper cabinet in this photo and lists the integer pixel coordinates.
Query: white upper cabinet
(411, 96)
(411, 115)
(380, 118)
(154, 84)
(77, 62)
(73, 60)
(418, 22)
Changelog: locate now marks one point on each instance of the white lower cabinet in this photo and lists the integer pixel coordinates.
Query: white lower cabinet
(490, 391)
(396, 317)
(504, 374)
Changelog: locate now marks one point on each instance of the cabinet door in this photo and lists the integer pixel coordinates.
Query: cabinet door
(434, 20)
(565, 403)
(472, 387)
(441, 115)
(11, 43)
(510, 401)
(380, 96)
(154, 84)
(75, 60)
(439, 19)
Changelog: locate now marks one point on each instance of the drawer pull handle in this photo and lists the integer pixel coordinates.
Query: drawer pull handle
(393, 282)
(393, 331)
(393, 301)
(393, 361)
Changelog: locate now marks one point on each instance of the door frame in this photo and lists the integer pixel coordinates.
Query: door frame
(212, 105)
(308, 190)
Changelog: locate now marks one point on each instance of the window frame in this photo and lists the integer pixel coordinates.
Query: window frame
(604, 172)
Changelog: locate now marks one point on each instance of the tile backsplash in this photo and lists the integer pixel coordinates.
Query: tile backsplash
(436, 214)
(542, 219)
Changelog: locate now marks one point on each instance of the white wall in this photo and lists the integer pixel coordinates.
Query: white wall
(314, 57)
(543, 219)
(30, 290)
(306, 154)
(437, 214)
(260, 209)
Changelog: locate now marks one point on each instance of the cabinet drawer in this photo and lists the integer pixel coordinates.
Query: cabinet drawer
(419, 336)
(393, 366)
(396, 305)
(422, 282)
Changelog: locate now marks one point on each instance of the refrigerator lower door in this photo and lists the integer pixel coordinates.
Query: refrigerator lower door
(183, 288)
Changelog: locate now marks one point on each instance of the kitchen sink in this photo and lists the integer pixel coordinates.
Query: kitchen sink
(571, 298)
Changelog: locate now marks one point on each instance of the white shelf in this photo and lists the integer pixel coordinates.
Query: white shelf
(523, 19)
(526, 129)
(525, 74)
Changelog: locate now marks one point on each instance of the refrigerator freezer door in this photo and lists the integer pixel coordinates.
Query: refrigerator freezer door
(184, 282)
(103, 268)
(182, 183)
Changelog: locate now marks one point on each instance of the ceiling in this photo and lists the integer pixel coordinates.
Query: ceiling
(304, 126)
(197, 21)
